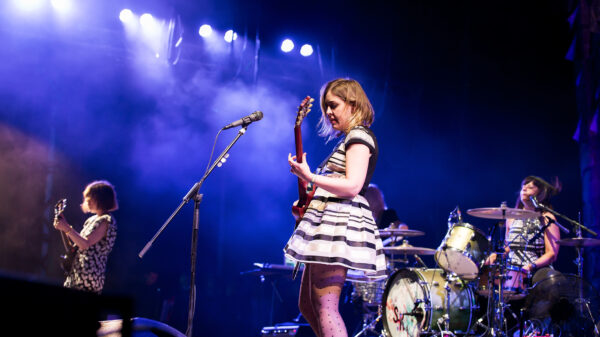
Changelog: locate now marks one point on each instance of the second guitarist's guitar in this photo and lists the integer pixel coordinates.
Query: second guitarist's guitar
(304, 197)
(66, 260)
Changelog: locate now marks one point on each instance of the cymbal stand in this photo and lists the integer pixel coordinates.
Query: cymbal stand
(497, 296)
(369, 326)
(445, 319)
(581, 301)
(579, 260)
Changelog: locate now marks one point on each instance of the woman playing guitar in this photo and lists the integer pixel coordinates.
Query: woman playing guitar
(96, 239)
(337, 230)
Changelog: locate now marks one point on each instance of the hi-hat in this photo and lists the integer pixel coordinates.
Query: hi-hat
(501, 213)
(400, 232)
(406, 248)
(579, 242)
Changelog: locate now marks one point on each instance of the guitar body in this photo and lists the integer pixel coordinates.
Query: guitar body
(299, 212)
(66, 260)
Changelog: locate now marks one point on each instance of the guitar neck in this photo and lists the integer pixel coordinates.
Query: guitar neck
(67, 243)
(299, 156)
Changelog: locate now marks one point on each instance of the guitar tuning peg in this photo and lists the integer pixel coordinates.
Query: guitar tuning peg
(226, 155)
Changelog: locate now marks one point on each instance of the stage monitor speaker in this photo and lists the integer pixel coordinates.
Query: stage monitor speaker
(33, 308)
(140, 327)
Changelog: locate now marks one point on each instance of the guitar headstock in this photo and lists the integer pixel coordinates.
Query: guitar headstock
(60, 207)
(304, 109)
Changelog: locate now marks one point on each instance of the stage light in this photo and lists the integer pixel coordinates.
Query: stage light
(230, 36)
(205, 30)
(306, 50)
(28, 5)
(146, 20)
(287, 45)
(126, 16)
(62, 5)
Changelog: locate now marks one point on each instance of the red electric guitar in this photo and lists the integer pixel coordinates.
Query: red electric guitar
(304, 197)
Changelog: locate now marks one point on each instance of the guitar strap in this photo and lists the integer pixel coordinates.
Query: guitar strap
(323, 164)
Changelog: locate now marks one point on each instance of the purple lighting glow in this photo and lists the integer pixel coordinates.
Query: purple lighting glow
(63, 6)
(28, 5)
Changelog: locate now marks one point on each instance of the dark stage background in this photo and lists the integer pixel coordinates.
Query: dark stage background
(470, 97)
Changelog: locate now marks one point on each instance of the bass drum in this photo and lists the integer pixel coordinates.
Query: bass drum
(414, 302)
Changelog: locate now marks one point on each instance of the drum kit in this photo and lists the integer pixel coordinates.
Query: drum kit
(444, 301)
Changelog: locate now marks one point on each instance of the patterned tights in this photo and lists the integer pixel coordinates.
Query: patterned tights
(320, 297)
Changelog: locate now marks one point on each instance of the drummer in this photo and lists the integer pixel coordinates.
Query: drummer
(386, 218)
(531, 243)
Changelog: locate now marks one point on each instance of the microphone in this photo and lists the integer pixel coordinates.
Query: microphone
(541, 207)
(253, 117)
(535, 203)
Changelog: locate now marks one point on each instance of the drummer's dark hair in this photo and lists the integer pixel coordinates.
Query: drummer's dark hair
(546, 190)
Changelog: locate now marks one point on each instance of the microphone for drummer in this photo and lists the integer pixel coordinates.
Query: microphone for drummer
(536, 204)
(541, 207)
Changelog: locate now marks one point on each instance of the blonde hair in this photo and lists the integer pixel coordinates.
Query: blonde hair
(353, 94)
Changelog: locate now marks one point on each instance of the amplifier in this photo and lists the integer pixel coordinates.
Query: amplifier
(287, 329)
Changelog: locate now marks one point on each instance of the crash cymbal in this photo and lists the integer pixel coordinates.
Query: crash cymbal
(502, 213)
(400, 232)
(579, 242)
(406, 248)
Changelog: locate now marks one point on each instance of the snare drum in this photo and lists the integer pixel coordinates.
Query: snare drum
(414, 303)
(462, 251)
(514, 286)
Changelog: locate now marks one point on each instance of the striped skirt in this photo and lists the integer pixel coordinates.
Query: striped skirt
(338, 231)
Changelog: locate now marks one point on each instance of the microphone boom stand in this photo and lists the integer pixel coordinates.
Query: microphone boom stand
(194, 193)
(571, 221)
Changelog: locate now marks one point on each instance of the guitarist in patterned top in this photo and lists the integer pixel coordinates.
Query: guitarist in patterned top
(337, 231)
(96, 239)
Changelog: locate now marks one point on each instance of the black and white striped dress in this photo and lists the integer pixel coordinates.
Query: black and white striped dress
(526, 241)
(341, 231)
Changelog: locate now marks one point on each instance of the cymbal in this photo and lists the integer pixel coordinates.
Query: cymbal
(400, 232)
(502, 213)
(579, 242)
(408, 249)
